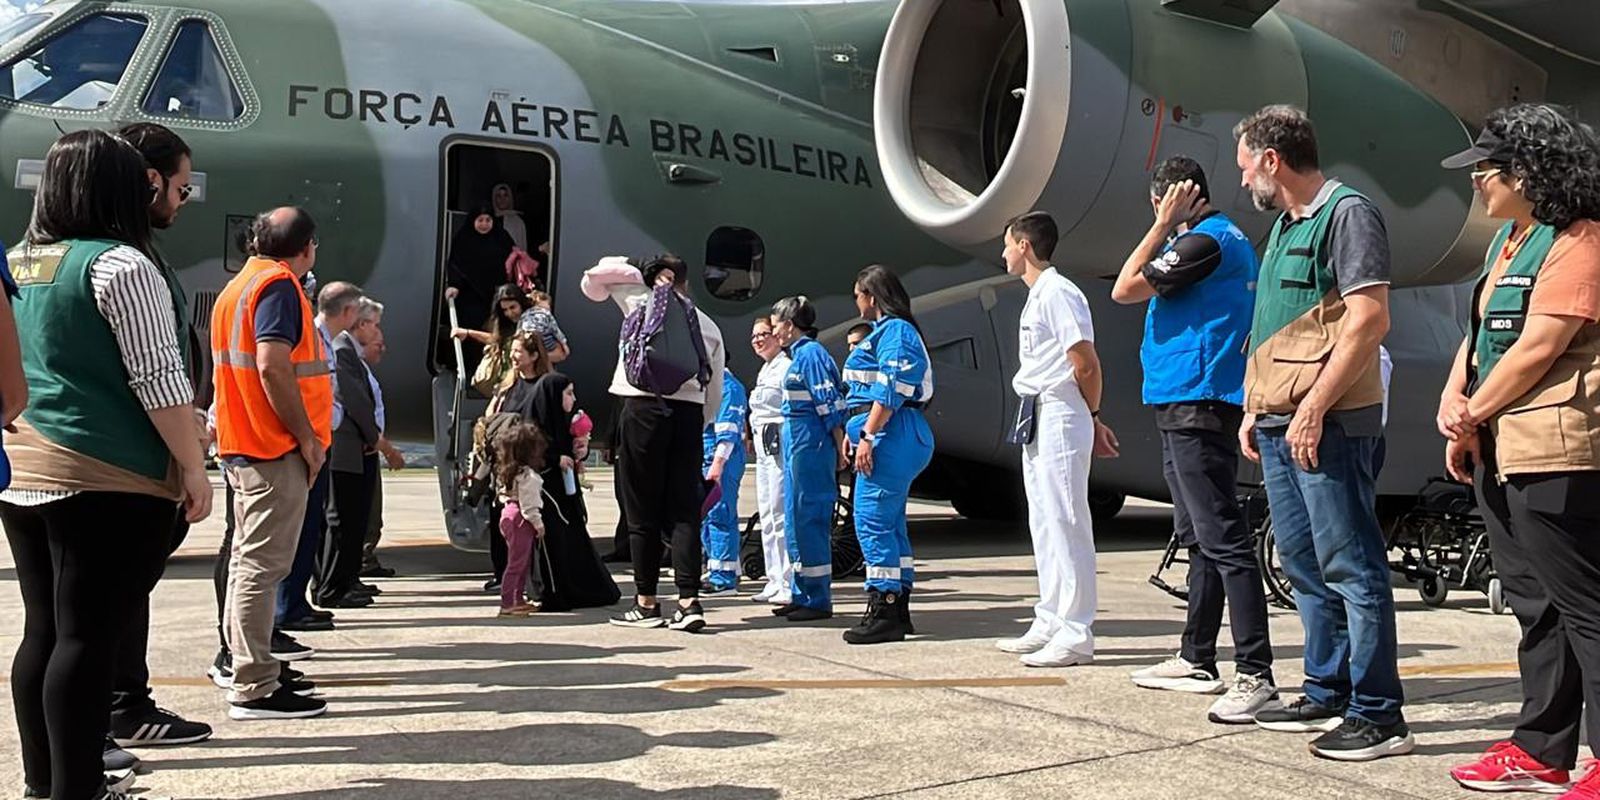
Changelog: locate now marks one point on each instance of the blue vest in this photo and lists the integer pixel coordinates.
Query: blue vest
(1194, 341)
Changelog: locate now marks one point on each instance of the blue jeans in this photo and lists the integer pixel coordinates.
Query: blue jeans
(292, 602)
(1333, 552)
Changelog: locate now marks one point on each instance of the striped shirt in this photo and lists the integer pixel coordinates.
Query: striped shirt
(132, 295)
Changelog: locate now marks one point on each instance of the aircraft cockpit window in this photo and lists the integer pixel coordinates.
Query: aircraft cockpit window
(78, 69)
(194, 82)
(735, 258)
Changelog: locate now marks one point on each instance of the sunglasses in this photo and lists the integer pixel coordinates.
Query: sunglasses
(1481, 175)
(185, 192)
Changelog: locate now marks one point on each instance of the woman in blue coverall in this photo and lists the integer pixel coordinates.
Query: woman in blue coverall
(724, 466)
(889, 381)
(813, 453)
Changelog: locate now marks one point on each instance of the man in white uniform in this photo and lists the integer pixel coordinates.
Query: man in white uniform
(1059, 383)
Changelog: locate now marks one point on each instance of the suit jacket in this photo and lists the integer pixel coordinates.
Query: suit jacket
(356, 437)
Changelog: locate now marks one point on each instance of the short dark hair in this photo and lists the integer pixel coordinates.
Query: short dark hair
(1556, 156)
(283, 238)
(338, 296)
(1176, 170)
(1284, 129)
(680, 270)
(862, 328)
(93, 187)
(1038, 229)
(162, 149)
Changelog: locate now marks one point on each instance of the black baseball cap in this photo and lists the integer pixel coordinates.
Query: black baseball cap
(1488, 147)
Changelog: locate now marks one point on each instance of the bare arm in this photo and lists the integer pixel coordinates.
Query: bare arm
(13, 383)
(1131, 286)
(1366, 323)
(1086, 365)
(283, 391)
(179, 432)
(1544, 338)
(481, 337)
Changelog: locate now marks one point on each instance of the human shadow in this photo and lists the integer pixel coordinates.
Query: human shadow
(592, 700)
(587, 788)
(512, 652)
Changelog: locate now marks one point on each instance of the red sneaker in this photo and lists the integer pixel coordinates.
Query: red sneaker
(1506, 768)
(1587, 788)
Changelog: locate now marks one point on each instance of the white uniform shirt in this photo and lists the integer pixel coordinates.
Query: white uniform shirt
(766, 397)
(1054, 318)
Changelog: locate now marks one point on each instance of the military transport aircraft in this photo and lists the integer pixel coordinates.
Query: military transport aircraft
(780, 146)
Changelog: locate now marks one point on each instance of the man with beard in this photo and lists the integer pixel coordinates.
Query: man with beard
(135, 718)
(1313, 397)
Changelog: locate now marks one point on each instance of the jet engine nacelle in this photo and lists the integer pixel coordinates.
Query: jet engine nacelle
(986, 109)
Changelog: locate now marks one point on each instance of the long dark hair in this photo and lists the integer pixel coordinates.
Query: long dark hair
(94, 187)
(499, 326)
(1556, 156)
(885, 288)
(521, 445)
(799, 310)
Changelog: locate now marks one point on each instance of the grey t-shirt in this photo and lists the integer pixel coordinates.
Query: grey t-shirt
(1358, 250)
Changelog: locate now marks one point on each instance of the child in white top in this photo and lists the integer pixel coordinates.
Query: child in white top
(518, 457)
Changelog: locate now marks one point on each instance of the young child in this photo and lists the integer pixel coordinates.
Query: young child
(519, 455)
(539, 320)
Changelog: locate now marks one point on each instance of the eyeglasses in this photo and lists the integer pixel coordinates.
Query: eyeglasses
(1482, 175)
(184, 192)
(759, 336)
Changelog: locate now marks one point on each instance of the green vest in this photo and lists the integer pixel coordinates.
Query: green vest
(1295, 273)
(78, 393)
(1500, 324)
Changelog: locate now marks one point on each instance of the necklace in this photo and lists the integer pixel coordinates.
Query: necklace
(1514, 243)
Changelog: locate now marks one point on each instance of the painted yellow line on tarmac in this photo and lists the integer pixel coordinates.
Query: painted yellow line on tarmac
(862, 683)
(1490, 669)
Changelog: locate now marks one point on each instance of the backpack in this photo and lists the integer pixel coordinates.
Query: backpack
(485, 432)
(662, 348)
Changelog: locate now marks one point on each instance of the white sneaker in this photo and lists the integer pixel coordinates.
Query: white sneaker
(1052, 656)
(763, 596)
(1029, 643)
(781, 599)
(1249, 695)
(1178, 675)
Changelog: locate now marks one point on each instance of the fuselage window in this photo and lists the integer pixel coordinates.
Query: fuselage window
(735, 258)
(194, 81)
(78, 69)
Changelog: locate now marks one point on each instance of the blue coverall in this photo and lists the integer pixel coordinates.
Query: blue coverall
(813, 408)
(719, 532)
(889, 367)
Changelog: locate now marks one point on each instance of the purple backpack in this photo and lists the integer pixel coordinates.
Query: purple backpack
(661, 344)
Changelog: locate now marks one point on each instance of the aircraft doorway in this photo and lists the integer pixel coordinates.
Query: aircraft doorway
(473, 173)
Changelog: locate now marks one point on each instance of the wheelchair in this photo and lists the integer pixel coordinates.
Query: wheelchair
(1258, 518)
(847, 558)
(1442, 543)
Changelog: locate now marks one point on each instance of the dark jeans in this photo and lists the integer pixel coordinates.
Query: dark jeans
(351, 506)
(80, 590)
(131, 693)
(1334, 554)
(1542, 530)
(292, 602)
(661, 489)
(1202, 468)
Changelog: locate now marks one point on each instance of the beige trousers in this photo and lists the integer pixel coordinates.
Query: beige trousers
(269, 507)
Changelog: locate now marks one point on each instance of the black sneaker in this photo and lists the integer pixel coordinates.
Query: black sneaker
(114, 758)
(809, 614)
(492, 585)
(157, 727)
(1359, 740)
(786, 609)
(641, 617)
(691, 618)
(366, 588)
(221, 671)
(713, 590)
(1301, 716)
(285, 648)
(306, 624)
(302, 687)
(288, 673)
(377, 571)
(281, 704)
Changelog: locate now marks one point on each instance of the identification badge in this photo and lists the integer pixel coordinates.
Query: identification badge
(1027, 421)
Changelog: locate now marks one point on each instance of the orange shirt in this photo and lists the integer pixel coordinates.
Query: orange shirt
(1569, 281)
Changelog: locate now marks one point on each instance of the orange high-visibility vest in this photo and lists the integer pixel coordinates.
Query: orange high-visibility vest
(246, 424)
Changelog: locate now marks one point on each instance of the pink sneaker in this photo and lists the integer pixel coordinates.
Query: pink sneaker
(1587, 787)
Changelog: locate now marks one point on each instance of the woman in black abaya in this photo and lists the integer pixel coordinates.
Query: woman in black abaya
(574, 576)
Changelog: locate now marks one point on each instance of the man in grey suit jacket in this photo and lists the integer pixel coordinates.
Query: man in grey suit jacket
(354, 465)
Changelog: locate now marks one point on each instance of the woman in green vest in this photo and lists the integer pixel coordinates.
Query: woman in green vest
(1521, 411)
(104, 454)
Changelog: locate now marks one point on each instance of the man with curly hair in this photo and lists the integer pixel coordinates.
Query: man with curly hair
(1522, 412)
(1313, 396)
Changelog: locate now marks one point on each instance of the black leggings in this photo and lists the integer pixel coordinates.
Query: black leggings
(131, 693)
(83, 565)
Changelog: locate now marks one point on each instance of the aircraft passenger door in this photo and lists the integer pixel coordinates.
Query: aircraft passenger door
(473, 172)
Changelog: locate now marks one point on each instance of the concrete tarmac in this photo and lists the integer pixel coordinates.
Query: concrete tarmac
(431, 696)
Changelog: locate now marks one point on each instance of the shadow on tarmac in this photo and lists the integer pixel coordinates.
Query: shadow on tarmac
(588, 788)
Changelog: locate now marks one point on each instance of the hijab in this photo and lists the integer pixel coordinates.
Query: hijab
(548, 414)
(475, 252)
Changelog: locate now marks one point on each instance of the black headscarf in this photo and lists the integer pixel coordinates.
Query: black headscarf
(552, 419)
(478, 260)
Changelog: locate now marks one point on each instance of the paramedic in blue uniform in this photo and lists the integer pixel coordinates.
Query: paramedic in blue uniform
(1198, 272)
(813, 452)
(724, 465)
(889, 381)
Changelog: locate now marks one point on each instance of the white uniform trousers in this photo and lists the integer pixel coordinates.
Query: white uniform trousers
(774, 545)
(1055, 473)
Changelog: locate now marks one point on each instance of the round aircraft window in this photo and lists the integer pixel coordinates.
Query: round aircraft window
(735, 258)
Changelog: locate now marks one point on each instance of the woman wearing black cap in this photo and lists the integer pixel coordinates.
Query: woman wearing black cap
(1522, 413)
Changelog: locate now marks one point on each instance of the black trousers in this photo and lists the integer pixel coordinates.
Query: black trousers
(219, 572)
(131, 693)
(1201, 468)
(497, 544)
(348, 512)
(1542, 531)
(81, 583)
(661, 489)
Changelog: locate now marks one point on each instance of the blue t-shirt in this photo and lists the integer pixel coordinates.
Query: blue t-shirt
(278, 315)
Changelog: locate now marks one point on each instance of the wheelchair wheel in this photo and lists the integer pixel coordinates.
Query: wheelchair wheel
(1497, 596)
(1278, 589)
(847, 557)
(1433, 591)
(752, 558)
